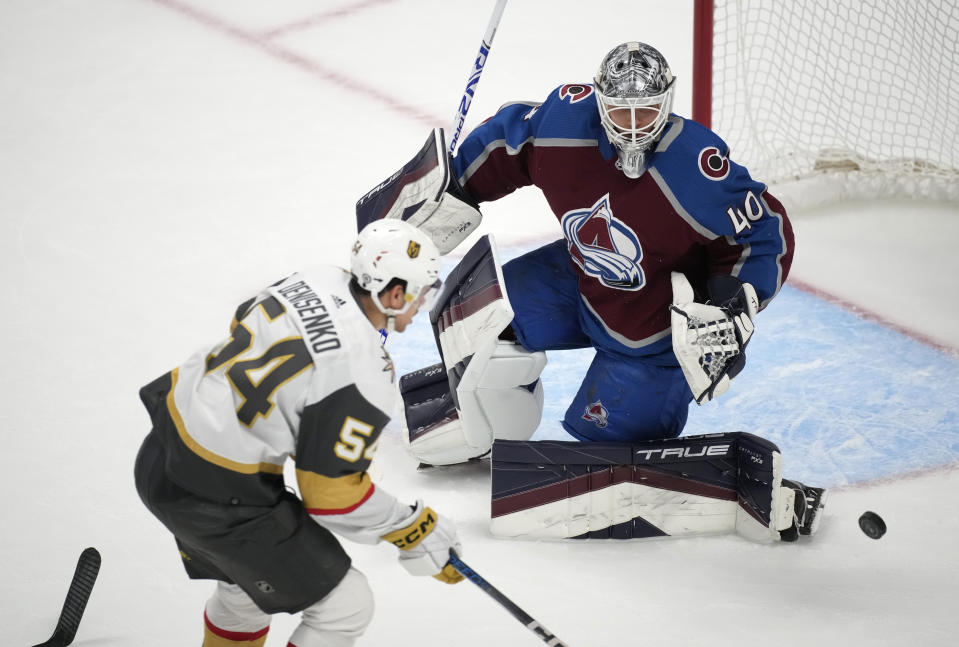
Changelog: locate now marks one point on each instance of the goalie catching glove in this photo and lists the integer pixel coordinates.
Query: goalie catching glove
(710, 340)
(425, 539)
(425, 194)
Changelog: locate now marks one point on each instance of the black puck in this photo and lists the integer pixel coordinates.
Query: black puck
(872, 524)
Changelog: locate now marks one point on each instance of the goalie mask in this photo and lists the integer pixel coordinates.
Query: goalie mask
(390, 249)
(634, 93)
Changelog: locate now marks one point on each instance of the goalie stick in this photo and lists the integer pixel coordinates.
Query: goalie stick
(506, 603)
(475, 72)
(88, 566)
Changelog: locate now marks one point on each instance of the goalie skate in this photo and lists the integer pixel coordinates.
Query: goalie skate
(807, 514)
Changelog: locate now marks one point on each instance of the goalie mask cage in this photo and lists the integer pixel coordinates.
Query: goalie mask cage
(833, 99)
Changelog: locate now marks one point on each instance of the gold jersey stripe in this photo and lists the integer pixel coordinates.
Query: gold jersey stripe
(333, 495)
(203, 452)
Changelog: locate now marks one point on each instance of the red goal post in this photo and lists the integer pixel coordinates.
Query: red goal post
(833, 100)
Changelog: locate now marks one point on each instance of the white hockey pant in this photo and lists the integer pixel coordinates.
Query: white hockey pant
(335, 621)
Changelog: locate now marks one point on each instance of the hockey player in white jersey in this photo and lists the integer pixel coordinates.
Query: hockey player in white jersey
(304, 375)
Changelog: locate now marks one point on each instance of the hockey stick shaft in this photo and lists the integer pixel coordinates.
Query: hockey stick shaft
(473, 80)
(527, 620)
(88, 567)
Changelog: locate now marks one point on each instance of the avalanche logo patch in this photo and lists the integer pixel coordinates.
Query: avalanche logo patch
(575, 92)
(713, 164)
(604, 247)
(597, 414)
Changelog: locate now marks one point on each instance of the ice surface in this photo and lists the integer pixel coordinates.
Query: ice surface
(161, 160)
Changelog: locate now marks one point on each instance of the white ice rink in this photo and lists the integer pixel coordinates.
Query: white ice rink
(161, 160)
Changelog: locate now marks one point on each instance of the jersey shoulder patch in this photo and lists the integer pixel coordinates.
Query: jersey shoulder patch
(687, 139)
(574, 92)
(569, 112)
(695, 167)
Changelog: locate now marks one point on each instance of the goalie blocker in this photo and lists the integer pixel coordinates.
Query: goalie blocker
(697, 485)
(425, 194)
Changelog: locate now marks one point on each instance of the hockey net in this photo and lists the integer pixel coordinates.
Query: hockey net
(834, 100)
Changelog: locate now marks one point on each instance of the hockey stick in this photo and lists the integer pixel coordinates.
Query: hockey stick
(475, 72)
(507, 604)
(77, 596)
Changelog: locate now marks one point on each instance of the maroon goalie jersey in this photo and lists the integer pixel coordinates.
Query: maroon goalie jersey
(693, 211)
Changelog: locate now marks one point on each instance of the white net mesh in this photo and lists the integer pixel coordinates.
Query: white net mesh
(861, 95)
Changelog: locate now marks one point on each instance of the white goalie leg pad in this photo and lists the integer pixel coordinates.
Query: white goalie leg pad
(494, 384)
(781, 510)
(687, 486)
(600, 514)
(557, 489)
(443, 444)
(500, 396)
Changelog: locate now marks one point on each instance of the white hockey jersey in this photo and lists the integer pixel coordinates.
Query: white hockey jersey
(303, 374)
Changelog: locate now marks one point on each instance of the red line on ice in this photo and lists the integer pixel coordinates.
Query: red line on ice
(290, 57)
(872, 316)
(326, 16)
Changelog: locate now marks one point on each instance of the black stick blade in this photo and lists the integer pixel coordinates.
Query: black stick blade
(88, 566)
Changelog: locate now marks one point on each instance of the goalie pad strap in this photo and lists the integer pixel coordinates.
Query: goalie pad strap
(427, 400)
